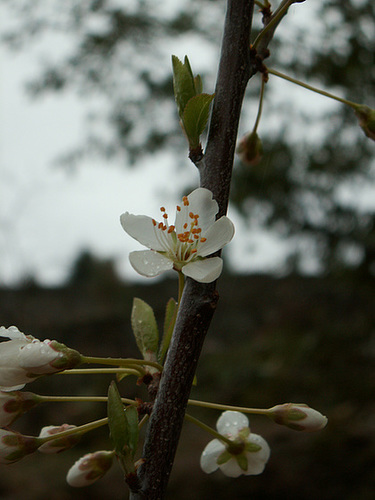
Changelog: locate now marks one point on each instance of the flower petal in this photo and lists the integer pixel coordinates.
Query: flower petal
(142, 229)
(231, 422)
(37, 356)
(210, 455)
(258, 459)
(217, 236)
(12, 333)
(149, 263)
(201, 203)
(204, 271)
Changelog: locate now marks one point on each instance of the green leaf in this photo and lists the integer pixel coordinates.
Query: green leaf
(195, 117)
(183, 83)
(169, 321)
(131, 415)
(198, 84)
(117, 422)
(144, 326)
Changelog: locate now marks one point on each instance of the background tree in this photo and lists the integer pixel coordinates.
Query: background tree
(116, 57)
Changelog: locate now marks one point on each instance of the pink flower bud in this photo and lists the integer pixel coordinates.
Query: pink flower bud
(299, 417)
(14, 404)
(23, 358)
(90, 468)
(60, 443)
(14, 446)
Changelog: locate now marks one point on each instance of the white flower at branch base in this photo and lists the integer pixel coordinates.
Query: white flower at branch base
(24, 358)
(60, 443)
(90, 468)
(248, 455)
(185, 245)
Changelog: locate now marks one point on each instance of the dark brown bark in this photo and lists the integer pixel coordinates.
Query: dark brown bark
(199, 300)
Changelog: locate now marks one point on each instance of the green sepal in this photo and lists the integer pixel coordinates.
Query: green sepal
(144, 327)
(195, 117)
(224, 458)
(183, 83)
(131, 415)
(242, 461)
(169, 321)
(117, 421)
(252, 447)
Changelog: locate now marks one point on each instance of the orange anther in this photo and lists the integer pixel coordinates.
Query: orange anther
(154, 222)
(162, 209)
(160, 225)
(178, 208)
(194, 250)
(185, 225)
(203, 240)
(170, 229)
(165, 216)
(190, 241)
(191, 215)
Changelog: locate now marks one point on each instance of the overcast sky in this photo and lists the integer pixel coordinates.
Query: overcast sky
(49, 214)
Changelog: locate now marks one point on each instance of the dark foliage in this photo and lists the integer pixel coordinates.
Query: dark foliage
(272, 341)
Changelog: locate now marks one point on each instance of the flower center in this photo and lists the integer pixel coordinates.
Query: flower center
(182, 246)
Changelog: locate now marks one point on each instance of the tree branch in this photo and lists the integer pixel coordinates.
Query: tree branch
(199, 300)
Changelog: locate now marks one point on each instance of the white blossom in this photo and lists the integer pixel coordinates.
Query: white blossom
(185, 245)
(89, 468)
(248, 455)
(24, 358)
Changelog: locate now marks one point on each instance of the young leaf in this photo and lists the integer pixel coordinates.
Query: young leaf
(117, 421)
(144, 326)
(131, 415)
(183, 83)
(195, 117)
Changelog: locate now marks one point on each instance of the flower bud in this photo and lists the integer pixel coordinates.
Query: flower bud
(14, 404)
(299, 417)
(250, 149)
(90, 468)
(366, 117)
(60, 443)
(24, 358)
(14, 446)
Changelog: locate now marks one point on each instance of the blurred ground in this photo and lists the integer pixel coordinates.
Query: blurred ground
(272, 341)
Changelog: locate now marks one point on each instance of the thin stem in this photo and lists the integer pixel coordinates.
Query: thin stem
(260, 107)
(77, 430)
(276, 18)
(89, 371)
(208, 429)
(120, 362)
(83, 399)
(218, 406)
(313, 89)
